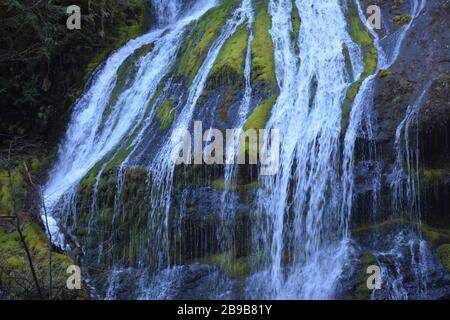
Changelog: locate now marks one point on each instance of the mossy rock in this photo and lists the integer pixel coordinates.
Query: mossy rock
(263, 61)
(360, 35)
(397, 4)
(219, 184)
(166, 113)
(384, 73)
(233, 267)
(444, 255)
(227, 102)
(296, 20)
(228, 69)
(259, 117)
(196, 47)
(402, 19)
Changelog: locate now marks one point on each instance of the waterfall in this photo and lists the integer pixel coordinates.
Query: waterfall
(391, 45)
(301, 229)
(405, 177)
(166, 11)
(301, 244)
(90, 137)
(163, 165)
(230, 175)
(409, 250)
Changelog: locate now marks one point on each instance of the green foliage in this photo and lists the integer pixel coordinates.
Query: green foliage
(43, 62)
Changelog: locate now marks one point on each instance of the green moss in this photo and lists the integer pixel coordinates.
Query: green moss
(385, 73)
(434, 176)
(6, 197)
(195, 49)
(435, 236)
(348, 102)
(263, 63)
(383, 227)
(260, 115)
(228, 101)
(360, 36)
(228, 69)
(402, 19)
(348, 62)
(296, 20)
(36, 166)
(444, 254)
(234, 267)
(166, 113)
(219, 184)
(15, 274)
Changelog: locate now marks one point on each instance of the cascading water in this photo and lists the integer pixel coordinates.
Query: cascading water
(230, 174)
(166, 11)
(391, 45)
(410, 256)
(163, 165)
(301, 229)
(89, 138)
(405, 175)
(300, 224)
